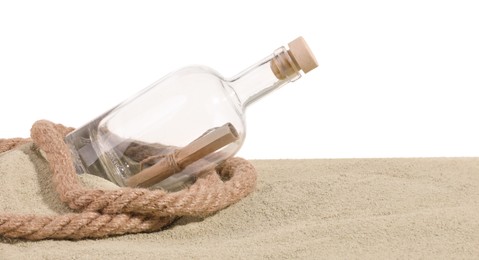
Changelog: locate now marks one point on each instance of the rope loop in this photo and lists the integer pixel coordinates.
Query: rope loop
(103, 213)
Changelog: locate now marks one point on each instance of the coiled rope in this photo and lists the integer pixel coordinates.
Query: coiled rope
(103, 213)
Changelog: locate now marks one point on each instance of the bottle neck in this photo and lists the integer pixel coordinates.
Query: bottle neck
(265, 76)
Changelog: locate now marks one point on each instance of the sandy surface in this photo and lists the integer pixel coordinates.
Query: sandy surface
(307, 209)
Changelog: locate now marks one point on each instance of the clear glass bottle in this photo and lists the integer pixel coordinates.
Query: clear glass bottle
(182, 125)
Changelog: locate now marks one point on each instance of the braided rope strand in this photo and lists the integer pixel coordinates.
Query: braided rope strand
(77, 225)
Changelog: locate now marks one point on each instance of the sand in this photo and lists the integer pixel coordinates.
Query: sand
(302, 209)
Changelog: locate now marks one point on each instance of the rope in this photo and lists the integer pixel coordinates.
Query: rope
(103, 213)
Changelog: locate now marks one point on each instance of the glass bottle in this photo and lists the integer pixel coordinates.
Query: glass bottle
(182, 125)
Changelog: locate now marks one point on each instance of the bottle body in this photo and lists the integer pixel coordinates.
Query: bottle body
(181, 126)
(169, 114)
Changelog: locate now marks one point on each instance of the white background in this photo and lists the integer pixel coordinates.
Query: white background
(396, 78)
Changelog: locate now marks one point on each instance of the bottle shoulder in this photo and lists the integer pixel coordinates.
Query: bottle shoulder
(198, 70)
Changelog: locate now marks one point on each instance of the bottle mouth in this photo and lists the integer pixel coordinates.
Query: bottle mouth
(287, 64)
(284, 66)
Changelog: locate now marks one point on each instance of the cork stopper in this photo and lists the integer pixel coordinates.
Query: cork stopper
(298, 57)
(302, 54)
